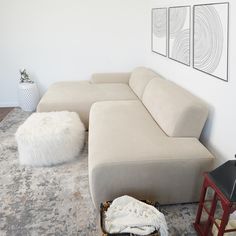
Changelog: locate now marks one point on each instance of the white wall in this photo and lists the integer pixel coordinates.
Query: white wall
(68, 40)
(220, 131)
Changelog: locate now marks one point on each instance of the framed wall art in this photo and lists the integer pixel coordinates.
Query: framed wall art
(179, 34)
(159, 31)
(210, 39)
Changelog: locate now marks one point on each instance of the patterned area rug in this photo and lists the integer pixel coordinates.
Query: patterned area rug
(56, 200)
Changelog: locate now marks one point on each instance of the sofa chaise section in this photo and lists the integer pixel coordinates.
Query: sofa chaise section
(130, 154)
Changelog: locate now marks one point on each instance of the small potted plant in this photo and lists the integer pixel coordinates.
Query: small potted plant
(28, 92)
(24, 77)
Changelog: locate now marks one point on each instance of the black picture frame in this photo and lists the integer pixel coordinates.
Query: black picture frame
(189, 40)
(227, 41)
(152, 32)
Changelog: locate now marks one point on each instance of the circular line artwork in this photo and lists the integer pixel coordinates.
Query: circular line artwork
(159, 23)
(208, 39)
(181, 47)
(179, 34)
(177, 20)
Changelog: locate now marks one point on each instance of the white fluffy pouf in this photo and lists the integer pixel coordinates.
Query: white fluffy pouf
(50, 138)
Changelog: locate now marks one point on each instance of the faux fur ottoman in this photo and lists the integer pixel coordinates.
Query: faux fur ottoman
(50, 138)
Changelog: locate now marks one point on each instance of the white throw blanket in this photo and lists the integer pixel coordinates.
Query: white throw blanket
(128, 215)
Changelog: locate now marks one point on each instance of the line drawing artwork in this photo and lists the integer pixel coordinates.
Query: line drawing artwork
(210, 39)
(159, 31)
(179, 34)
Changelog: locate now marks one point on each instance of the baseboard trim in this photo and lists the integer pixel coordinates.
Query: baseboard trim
(9, 104)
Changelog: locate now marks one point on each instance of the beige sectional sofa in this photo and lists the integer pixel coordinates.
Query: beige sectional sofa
(143, 135)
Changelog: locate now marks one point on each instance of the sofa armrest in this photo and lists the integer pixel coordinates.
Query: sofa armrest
(111, 78)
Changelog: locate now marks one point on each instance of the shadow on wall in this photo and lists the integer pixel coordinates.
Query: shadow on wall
(205, 138)
(207, 129)
(40, 83)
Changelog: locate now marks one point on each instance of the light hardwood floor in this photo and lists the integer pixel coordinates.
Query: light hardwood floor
(4, 111)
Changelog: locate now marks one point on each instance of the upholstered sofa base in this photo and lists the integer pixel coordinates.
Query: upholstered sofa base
(165, 181)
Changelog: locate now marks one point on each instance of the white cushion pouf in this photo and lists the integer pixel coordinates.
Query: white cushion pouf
(50, 138)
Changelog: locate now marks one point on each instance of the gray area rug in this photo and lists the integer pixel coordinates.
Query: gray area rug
(56, 200)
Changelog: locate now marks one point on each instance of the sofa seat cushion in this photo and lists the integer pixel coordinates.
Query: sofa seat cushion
(78, 96)
(130, 154)
(128, 122)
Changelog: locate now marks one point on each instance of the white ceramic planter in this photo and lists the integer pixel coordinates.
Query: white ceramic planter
(28, 96)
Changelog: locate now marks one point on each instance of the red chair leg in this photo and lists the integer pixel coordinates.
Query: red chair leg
(201, 202)
(212, 213)
(224, 221)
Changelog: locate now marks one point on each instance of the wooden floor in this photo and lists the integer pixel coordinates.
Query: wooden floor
(4, 111)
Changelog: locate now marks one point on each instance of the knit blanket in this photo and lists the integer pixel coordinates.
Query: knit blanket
(129, 215)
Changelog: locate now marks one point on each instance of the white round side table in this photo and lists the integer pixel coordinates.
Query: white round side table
(28, 96)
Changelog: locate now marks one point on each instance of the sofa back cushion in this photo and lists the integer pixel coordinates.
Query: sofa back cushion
(177, 112)
(139, 79)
